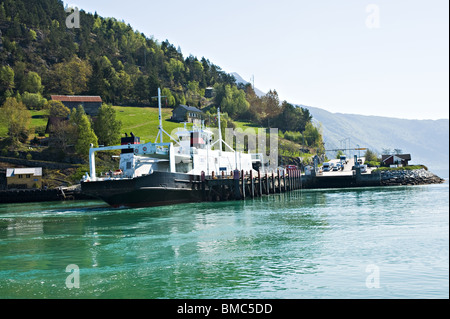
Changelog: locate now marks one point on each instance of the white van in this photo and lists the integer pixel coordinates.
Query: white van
(327, 167)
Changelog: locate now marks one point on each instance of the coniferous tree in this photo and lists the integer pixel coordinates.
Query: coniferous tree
(107, 127)
(85, 134)
(6, 82)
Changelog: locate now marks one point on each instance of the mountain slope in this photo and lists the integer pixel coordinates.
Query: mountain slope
(103, 57)
(426, 140)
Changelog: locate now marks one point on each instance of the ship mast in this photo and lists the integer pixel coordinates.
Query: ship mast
(160, 128)
(161, 131)
(220, 132)
(220, 140)
(160, 117)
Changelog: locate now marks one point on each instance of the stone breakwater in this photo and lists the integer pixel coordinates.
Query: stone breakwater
(409, 177)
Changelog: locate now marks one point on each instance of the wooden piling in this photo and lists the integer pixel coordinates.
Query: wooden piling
(292, 173)
(279, 182)
(293, 179)
(273, 182)
(260, 184)
(252, 185)
(203, 185)
(301, 179)
(237, 191)
(243, 183)
(289, 180)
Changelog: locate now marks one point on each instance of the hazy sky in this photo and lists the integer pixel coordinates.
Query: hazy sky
(376, 57)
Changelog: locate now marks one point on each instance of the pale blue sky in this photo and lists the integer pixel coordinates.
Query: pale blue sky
(316, 53)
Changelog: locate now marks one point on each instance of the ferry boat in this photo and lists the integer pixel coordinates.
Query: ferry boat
(156, 174)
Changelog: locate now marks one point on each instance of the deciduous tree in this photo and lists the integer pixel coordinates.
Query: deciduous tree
(33, 83)
(17, 117)
(85, 134)
(71, 77)
(58, 109)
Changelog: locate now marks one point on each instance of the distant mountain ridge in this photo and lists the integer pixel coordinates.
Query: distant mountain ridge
(426, 140)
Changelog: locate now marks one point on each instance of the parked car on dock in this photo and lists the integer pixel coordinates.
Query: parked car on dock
(362, 167)
(327, 166)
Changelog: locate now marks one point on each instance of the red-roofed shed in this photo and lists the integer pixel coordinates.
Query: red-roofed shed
(91, 104)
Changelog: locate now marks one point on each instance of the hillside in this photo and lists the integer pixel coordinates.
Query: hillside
(103, 57)
(40, 56)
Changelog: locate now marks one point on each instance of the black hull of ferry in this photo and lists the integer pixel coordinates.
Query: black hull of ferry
(157, 189)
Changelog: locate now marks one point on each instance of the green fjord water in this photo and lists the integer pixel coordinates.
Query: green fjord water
(390, 242)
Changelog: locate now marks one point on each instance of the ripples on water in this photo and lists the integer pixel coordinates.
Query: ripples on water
(307, 244)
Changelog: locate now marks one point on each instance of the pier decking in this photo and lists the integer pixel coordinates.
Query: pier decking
(242, 185)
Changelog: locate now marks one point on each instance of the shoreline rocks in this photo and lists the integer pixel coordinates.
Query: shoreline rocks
(409, 177)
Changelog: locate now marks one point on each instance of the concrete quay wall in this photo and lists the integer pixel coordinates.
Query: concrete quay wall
(377, 178)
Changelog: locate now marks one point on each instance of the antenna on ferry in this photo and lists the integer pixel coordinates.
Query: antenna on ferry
(160, 127)
(220, 140)
(220, 130)
(160, 117)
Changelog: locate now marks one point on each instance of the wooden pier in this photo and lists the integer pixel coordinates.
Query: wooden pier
(242, 185)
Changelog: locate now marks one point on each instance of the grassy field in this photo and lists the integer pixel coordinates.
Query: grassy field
(144, 121)
(38, 119)
(246, 125)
